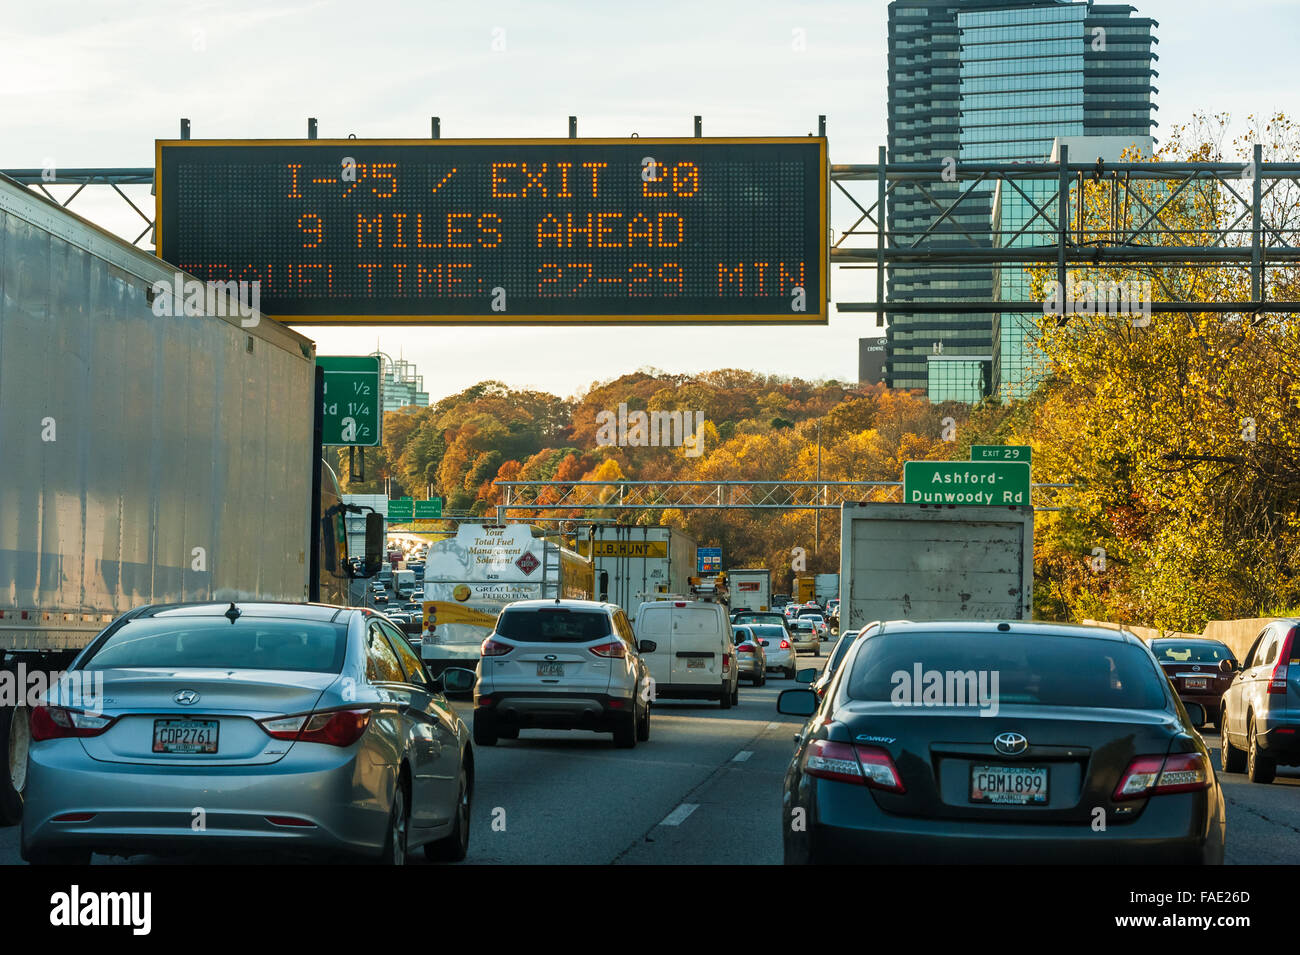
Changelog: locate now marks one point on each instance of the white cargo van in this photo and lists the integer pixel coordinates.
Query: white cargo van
(694, 656)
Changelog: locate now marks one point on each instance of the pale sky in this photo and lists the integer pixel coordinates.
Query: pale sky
(95, 83)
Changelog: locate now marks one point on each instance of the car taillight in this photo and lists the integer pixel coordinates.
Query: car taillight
(495, 648)
(615, 648)
(868, 766)
(745, 648)
(726, 660)
(1277, 682)
(1161, 775)
(332, 727)
(59, 722)
(785, 644)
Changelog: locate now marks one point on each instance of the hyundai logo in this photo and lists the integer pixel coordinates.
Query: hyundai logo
(1010, 744)
(186, 697)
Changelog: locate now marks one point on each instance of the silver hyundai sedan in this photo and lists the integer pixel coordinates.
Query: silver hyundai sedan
(298, 727)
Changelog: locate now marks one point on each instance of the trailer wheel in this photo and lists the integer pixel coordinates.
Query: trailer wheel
(14, 740)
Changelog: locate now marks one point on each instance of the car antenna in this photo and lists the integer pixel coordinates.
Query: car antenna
(233, 612)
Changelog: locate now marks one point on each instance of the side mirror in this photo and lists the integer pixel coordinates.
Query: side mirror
(1226, 667)
(797, 702)
(458, 680)
(647, 646)
(806, 676)
(763, 642)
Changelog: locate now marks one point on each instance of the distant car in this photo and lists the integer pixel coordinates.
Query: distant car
(833, 613)
(377, 588)
(819, 624)
(1260, 712)
(380, 598)
(805, 637)
(780, 647)
(297, 727)
(772, 617)
(417, 595)
(563, 664)
(1084, 721)
(1192, 666)
(751, 655)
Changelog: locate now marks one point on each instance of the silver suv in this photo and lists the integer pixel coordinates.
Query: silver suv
(1260, 717)
(563, 664)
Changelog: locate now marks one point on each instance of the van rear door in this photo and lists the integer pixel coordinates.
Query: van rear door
(699, 641)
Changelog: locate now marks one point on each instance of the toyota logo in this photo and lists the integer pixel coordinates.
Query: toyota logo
(186, 697)
(1010, 744)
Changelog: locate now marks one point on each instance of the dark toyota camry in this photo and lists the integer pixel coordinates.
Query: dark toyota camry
(999, 742)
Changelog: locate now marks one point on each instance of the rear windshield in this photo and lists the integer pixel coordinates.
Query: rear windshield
(250, 643)
(1028, 668)
(756, 616)
(1191, 652)
(766, 632)
(553, 625)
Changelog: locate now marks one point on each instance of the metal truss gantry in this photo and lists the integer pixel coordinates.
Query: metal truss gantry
(1133, 198)
(114, 178)
(540, 497)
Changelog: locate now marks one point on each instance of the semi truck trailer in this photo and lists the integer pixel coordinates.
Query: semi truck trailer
(151, 455)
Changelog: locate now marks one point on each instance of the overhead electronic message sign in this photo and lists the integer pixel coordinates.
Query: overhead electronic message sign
(504, 231)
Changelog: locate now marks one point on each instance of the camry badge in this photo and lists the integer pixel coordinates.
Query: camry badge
(1010, 744)
(186, 697)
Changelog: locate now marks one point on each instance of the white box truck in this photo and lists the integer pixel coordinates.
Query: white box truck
(634, 563)
(826, 587)
(751, 588)
(921, 562)
(469, 578)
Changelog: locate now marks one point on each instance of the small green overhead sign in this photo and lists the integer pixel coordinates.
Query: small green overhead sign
(351, 409)
(400, 509)
(1002, 452)
(987, 483)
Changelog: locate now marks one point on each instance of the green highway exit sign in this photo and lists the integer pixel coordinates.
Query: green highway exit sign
(351, 415)
(426, 510)
(1002, 452)
(400, 509)
(987, 483)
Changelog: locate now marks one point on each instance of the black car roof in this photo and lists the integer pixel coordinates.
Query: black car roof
(1043, 627)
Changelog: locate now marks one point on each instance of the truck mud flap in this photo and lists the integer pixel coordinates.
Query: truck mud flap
(11, 800)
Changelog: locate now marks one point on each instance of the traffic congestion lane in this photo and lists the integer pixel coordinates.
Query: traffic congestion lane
(571, 796)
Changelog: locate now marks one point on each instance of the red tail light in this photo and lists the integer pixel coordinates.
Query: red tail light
(615, 648)
(1161, 775)
(868, 766)
(59, 722)
(785, 644)
(745, 648)
(726, 660)
(332, 727)
(495, 648)
(1277, 682)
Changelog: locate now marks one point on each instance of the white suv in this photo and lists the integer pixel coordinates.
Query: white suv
(694, 655)
(562, 664)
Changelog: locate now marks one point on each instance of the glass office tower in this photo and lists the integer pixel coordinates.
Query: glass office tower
(991, 81)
